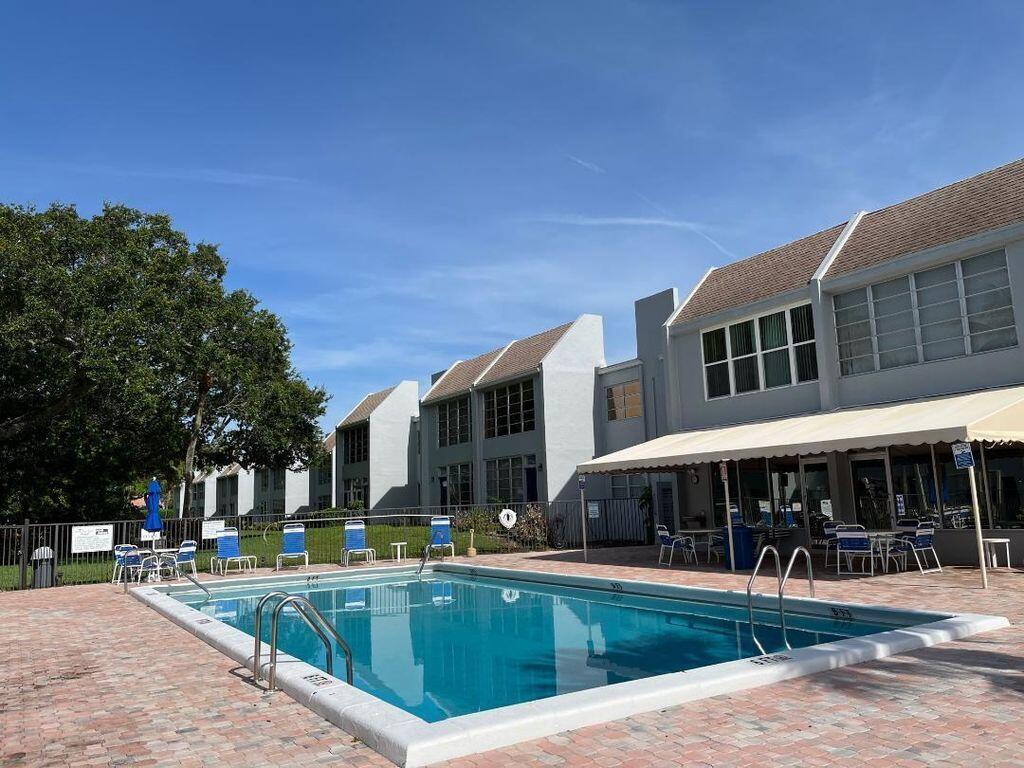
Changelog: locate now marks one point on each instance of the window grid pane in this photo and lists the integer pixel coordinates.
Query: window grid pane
(966, 301)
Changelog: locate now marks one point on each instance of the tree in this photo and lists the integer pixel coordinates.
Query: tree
(245, 402)
(109, 327)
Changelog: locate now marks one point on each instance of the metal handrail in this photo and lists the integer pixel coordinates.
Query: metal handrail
(750, 599)
(302, 605)
(195, 581)
(789, 568)
(258, 630)
(423, 560)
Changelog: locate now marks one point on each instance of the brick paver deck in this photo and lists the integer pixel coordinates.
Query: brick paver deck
(91, 677)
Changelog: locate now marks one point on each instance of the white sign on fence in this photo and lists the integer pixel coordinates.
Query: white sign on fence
(92, 538)
(593, 510)
(211, 528)
(150, 535)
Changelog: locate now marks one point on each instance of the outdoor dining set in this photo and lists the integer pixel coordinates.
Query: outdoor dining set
(846, 546)
(132, 562)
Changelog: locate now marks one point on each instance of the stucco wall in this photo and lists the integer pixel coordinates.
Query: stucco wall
(390, 428)
(568, 374)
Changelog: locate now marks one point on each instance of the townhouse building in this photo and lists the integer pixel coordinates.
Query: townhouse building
(832, 373)
(375, 450)
(510, 425)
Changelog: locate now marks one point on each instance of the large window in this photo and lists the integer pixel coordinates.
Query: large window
(279, 479)
(505, 480)
(765, 352)
(325, 470)
(356, 491)
(949, 311)
(198, 496)
(628, 486)
(460, 483)
(453, 422)
(624, 401)
(357, 444)
(509, 410)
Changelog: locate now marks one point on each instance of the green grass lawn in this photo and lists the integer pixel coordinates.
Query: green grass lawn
(323, 544)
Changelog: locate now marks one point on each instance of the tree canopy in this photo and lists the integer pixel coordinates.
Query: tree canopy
(123, 355)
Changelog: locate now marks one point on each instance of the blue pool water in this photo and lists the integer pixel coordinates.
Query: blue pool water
(444, 647)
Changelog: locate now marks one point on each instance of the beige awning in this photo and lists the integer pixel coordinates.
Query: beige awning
(993, 415)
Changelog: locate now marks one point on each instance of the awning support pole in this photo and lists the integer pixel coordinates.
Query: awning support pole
(977, 527)
(723, 469)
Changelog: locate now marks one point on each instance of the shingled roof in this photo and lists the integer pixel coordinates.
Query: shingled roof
(365, 407)
(988, 201)
(758, 277)
(460, 376)
(519, 357)
(330, 441)
(981, 203)
(524, 355)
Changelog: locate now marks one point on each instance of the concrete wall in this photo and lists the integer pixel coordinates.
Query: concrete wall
(296, 492)
(568, 386)
(391, 424)
(650, 314)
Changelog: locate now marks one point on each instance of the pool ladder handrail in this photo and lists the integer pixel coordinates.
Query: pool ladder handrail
(423, 560)
(311, 617)
(750, 599)
(195, 581)
(783, 578)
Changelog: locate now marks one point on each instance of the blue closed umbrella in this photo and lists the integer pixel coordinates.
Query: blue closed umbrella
(153, 522)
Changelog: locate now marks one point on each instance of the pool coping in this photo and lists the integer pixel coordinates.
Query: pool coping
(408, 740)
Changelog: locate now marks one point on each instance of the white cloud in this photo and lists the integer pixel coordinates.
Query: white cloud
(585, 164)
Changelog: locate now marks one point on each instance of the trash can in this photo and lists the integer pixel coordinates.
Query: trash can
(43, 572)
(742, 544)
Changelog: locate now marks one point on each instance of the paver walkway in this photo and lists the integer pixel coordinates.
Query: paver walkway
(91, 677)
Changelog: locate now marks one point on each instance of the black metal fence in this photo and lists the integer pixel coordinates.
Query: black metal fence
(52, 554)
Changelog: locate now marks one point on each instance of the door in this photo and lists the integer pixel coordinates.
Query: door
(816, 490)
(666, 506)
(531, 483)
(444, 491)
(871, 491)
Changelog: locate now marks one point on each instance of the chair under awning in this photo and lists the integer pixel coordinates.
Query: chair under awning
(992, 415)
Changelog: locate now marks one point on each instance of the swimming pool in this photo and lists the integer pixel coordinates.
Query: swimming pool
(463, 659)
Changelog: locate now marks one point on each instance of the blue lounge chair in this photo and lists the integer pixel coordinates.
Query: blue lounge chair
(185, 558)
(228, 552)
(441, 534)
(829, 537)
(916, 538)
(673, 544)
(293, 545)
(852, 542)
(126, 558)
(355, 543)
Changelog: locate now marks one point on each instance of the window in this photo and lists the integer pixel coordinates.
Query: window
(324, 471)
(624, 401)
(453, 422)
(277, 507)
(765, 352)
(357, 444)
(460, 483)
(279, 476)
(505, 480)
(509, 410)
(628, 486)
(323, 501)
(198, 496)
(949, 311)
(357, 489)
(264, 480)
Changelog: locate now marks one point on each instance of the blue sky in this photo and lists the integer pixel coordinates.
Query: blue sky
(407, 184)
